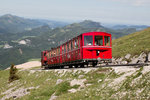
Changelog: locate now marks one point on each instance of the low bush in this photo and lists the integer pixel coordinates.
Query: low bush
(13, 73)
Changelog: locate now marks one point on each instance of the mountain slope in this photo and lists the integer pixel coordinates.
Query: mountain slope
(53, 24)
(14, 24)
(133, 44)
(34, 41)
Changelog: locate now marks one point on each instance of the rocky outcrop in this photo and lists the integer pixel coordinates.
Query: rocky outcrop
(24, 42)
(142, 58)
(139, 59)
(7, 46)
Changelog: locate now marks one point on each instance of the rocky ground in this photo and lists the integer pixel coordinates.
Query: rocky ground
(117, 82)
(91, 83)
(142, 58)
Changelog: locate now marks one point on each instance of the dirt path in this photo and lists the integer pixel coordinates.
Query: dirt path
(29, 65)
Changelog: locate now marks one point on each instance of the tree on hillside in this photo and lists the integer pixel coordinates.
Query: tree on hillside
(13, 76)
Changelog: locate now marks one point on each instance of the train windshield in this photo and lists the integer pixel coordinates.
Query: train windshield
(98, 40)
(88, 40)
(107, 40)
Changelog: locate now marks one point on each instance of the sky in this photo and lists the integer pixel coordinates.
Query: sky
(105, 11)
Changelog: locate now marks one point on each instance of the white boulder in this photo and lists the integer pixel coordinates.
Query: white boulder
(128, 56)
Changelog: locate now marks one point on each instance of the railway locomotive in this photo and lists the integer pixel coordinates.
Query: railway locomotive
(87, 48)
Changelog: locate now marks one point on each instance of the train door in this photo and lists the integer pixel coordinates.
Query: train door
(98, 41)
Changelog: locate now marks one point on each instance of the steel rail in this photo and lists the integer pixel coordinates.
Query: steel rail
(118, 65)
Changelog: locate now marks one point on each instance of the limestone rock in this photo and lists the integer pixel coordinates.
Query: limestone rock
(72, 90)
(53, 97)
(119, 60)
(81, 76)
(113, 60)
(99, 80)
(128, 56)
(149, 57)
(59, 81)
(124, 62)
(142, 58)
(134, 60)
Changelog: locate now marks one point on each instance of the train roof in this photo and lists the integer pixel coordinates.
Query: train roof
(104, 33)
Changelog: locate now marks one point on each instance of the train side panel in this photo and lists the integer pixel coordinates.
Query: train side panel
(91, 46)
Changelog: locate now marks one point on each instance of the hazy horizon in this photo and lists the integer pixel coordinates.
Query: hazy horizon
(135, 12)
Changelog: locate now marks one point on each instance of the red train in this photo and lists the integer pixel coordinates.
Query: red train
(91, 47)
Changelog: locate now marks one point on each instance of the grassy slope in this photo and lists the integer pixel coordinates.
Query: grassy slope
(46, 80)
(134, 44)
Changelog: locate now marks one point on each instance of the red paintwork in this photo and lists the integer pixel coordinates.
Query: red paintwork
(89, 52)
(80, 53)
(43, 57)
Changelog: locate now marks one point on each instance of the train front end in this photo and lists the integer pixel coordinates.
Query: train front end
(97, 47)
(44, 59)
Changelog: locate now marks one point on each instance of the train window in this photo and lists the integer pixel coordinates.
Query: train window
(79, 43)
(71, 45)
(76, 43)
(49, 54)
(55, 53)
(68, 47)
(44, 53)
(99, 40)
(58, 51)
(64, 48)
(52, 54)
(88, 40)
(107, 40)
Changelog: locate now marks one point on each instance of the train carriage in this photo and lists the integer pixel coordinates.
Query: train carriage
(91, 47)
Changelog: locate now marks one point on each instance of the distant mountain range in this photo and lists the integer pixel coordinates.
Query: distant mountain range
(116, 27)
(14, 24)
(28, 39)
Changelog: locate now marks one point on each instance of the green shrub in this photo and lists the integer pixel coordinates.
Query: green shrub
(13, 76)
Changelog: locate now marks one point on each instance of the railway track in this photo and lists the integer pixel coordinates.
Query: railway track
(118, 65)
(138, 65)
